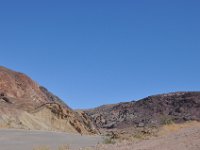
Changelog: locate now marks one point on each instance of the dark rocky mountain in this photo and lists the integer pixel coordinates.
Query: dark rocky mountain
(25, 104)
(148, 112)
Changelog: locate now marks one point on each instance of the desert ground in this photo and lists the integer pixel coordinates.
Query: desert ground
(184, 136)
(170, 137)
(12, 139)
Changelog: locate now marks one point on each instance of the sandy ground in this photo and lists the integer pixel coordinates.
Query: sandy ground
(11, 139)
(172, 137)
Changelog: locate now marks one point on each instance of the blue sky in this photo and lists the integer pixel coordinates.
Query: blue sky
(91, 53)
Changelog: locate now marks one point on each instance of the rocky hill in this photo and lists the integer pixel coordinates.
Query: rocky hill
(27, 105)
(148, 112)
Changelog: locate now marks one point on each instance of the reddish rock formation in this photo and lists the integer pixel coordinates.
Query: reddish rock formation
(26, 104)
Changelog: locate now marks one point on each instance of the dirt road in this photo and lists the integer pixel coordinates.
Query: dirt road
(11, 139)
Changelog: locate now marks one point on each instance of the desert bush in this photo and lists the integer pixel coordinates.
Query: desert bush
(64, 147)
(108, 140)
(138, 135)
(167, 121)
(42, 148)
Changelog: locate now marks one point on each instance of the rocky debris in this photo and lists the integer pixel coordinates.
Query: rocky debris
(185, 137)
(152, 111)
(26, 104)
(3, 98)
(110, 125)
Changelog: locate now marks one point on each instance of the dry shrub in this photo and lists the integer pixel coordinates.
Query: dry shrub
(64, 147)
(169, 128)
(108, 140)
(42, 148)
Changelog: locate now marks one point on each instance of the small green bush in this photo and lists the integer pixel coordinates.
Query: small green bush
(108, 140)
(167, 121)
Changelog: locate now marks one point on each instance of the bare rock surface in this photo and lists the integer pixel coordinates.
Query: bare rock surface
(153, 111)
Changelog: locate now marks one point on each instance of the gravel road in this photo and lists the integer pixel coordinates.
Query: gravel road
(12, 139)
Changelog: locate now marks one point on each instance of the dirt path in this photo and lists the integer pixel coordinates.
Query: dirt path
(11, 139)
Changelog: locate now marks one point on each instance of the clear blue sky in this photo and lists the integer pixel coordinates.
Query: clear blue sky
(93, 52)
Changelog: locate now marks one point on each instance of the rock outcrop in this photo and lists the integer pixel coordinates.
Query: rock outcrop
(148, 112)
(27, 105)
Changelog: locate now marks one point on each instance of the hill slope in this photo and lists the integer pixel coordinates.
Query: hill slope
(25, 104)
(151, 111)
